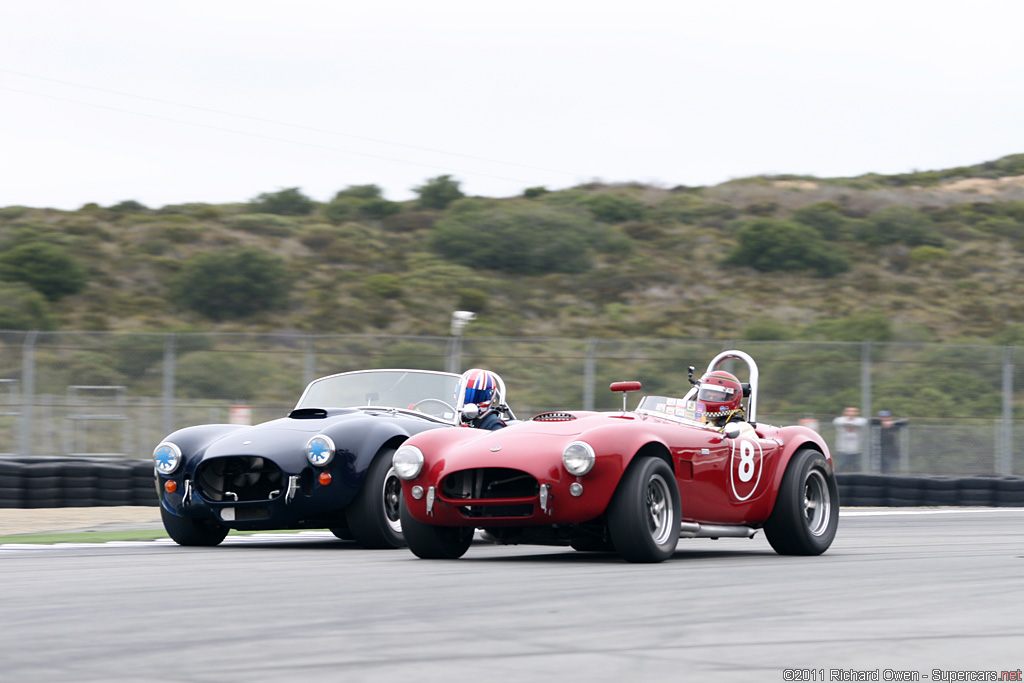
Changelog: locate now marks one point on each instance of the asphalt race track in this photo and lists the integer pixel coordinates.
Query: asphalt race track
(900, 592)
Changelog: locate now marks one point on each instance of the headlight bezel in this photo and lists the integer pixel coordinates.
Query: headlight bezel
(408, 462)
(167, 458)
(583, 458)
(314, 452)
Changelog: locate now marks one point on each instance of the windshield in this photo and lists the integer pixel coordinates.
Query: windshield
(430, 392)
(685, 409)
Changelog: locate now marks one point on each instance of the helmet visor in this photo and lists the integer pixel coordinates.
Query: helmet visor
(714, 393)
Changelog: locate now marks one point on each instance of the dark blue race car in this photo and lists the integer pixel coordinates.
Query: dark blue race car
(326, 465)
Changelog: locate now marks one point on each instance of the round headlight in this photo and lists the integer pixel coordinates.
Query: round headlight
(408, 462)
(320, 450)
(166, 457)
(578, 457)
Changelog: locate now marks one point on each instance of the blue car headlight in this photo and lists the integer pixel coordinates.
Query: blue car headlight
(408, 462)
(167, 457)
(578, 457)
(320, 450)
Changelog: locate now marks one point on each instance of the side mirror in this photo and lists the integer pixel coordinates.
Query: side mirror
(470, 411)
(731, 430)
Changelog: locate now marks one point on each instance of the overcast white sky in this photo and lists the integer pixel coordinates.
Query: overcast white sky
(167, 102)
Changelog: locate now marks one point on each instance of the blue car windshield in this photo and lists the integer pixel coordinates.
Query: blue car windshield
(405, 389)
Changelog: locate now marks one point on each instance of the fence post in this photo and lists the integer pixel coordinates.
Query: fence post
(28, 391)
(309, 368)
(866, 434)
(1004, 460)
(169, 367)
(589, 371)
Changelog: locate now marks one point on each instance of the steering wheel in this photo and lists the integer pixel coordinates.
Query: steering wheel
(416, 406)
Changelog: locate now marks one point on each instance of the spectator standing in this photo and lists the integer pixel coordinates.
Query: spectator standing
(849, 430)
(888, 439)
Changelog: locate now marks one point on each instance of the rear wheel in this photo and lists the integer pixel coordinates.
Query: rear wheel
(644, 515)
(373, 519)
(806, 513)
(191, 531)
(430, 542)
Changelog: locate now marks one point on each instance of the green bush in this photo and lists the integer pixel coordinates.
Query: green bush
(349, 208)
(218, 376)
(611, 208)
(527, 239)
(383, 286)
(438, 193)
(900, 224)
(47, 268)
(23, 308)
(768, 245)
(286, 202)
(263, 224)
(827, 218)
(232, 284)
(859, 327)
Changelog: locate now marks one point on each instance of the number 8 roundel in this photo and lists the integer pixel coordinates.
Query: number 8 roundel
(745, 467)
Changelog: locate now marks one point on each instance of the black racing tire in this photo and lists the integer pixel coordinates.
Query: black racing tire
(373, 517)
(191, 531)
(644, 514)
(806, 513)
(429, 542)
(342, 532)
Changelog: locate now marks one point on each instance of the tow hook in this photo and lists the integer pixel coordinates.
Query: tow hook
(293, 487)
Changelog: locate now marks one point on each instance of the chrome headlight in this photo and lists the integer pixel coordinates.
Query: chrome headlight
(166, 457)
(320, 450)
(408, 462)
(578, 457)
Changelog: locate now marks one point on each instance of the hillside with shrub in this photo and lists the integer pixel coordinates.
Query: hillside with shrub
(928, 256)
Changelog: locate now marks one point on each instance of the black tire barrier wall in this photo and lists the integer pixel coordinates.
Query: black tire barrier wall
(55, 482)
(887, 490)
(42, 482)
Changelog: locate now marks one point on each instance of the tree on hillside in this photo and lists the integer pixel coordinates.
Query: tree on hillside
(287, 202)
(359, 201)
(232, 284)
(47, 268)
(438, 193)
(527, 239)
(769, 245)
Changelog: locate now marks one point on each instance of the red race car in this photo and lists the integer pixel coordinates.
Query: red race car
(700, 466)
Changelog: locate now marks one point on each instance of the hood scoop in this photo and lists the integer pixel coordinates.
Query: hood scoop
(554, 417)
(308, 414)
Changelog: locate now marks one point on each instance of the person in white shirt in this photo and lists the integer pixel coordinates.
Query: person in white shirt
(849, 427)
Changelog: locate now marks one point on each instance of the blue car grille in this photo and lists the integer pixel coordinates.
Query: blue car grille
(239, 478)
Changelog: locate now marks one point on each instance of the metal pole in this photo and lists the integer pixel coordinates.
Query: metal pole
(868, 448)
(589, 372)
(1004, 460)
(309, 370)
(28, 391)
(169, 367)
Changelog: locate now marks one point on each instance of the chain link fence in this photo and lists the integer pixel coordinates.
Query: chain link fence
(117, 395)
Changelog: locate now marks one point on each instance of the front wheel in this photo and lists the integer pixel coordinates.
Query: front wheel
(644, 515)
(373, 514)
(430, 542)
(806, 513)
(191, 531)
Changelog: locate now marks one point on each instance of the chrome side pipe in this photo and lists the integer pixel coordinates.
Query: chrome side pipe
(695, 530)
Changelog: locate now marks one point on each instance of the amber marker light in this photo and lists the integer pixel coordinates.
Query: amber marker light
(324, 478)
(170, 486)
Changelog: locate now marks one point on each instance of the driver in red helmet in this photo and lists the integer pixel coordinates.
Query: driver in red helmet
(719, 398)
